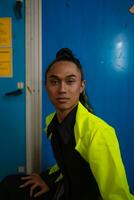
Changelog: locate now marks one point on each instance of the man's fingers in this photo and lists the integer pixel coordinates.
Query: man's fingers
(29, 180)
(26, 184)
(26, 178)
(32, 176)
(34, 180)
(40, 193)
(32, 188)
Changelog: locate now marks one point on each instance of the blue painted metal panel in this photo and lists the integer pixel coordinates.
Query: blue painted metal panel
(12, 109)
(101, 34)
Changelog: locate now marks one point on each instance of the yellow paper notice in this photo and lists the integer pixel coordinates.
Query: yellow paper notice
(5, 62)
(5, 32)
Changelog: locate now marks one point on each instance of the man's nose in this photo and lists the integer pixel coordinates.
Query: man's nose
(62, 86)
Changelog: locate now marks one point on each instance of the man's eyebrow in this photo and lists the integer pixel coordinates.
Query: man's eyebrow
(71, 76)
(53, 76)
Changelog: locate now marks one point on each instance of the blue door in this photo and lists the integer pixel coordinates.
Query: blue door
(12, 93)
(101, 33)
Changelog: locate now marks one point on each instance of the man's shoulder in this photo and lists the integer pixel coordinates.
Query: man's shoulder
(91, 119)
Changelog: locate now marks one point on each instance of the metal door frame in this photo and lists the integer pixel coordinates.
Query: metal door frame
(33, 10)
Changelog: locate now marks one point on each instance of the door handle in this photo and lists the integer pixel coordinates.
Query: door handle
(14, 93)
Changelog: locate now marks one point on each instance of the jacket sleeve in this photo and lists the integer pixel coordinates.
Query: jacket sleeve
(51, 176)
(107, 166)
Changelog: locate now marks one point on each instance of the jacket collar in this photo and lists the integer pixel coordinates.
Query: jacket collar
(81, 116)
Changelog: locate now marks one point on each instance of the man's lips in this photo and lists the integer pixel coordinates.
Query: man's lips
(62, 99)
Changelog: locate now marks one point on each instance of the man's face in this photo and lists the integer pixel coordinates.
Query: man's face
(64, 85)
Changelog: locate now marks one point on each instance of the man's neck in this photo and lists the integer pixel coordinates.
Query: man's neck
(61, 115)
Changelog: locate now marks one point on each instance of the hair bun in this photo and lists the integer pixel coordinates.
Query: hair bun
(65, 53)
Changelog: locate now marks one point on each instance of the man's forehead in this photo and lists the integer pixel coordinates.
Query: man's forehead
(60, 76)
(64, 69)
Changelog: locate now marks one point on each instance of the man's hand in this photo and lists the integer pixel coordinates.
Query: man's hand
(34, 181)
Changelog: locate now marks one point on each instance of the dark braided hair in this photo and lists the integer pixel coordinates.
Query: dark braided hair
(65, 54)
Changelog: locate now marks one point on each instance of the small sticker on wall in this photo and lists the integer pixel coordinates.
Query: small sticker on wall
(132, 9)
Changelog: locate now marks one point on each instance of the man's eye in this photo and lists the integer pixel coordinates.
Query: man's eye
(54, 82)
(70, 81)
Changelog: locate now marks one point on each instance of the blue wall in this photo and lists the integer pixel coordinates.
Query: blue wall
(101, 35)
(12, 109)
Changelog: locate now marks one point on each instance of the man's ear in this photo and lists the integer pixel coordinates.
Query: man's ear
(83, 83)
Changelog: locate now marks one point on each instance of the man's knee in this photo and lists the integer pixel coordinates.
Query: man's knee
(11, 181)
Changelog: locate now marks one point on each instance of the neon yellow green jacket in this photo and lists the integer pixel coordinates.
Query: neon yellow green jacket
(97, 143)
